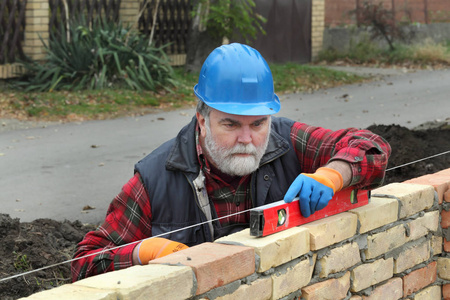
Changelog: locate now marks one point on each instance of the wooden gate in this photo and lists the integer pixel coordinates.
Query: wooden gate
(288, 30)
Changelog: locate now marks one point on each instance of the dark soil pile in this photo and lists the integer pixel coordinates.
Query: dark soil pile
(30, 246)
(44, 242)
(413, 145)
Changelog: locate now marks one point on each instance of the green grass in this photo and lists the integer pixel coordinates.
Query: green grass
(110, 103)
(291, 78)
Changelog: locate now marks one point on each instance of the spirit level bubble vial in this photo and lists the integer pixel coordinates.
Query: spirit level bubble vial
(278, 216)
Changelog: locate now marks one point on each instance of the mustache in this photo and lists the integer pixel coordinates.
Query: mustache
(243, 149)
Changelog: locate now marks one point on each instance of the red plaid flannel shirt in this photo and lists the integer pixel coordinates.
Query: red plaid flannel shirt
(367, 153)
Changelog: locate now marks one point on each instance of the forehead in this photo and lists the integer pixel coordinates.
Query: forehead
(219, 116)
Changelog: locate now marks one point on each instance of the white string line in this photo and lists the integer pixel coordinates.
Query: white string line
(180, 229)
(117, 247)
(416, 161)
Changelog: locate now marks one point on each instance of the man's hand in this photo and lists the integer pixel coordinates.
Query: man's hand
(152, 248)
(314, 190)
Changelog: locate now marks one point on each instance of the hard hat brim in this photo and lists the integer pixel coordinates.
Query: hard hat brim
(244, 109)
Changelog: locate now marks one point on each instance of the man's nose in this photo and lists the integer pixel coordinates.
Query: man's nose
(245, 135)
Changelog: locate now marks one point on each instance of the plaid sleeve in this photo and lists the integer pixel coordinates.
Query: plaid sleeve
(128, 220)
(366, 152)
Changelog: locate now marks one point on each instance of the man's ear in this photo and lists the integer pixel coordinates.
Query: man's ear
(202, 123)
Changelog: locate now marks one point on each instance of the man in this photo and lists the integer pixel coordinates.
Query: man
(231, 157)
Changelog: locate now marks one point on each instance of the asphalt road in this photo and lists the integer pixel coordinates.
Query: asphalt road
(58, 171)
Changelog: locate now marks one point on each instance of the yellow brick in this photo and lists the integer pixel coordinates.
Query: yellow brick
(37, 28)
(443, 267)
(423, 225)
(260, 289)
(146, 282)
(431, 293)
(370, 274)
(74, 292)
(329, 289)
(37, 13)
(34, 55)
(414, 197)
(385, 241)
(391, 290)
(32, 19)
(33, 6)
(330, 230)
(293, 279)
(436, 244)
(35, 43)
(274, 249)
(412, 256)
(379, 212)
(339, 259)
(30, 35)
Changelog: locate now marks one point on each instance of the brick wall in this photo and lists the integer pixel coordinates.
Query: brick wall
(396, 247)
(338, 12)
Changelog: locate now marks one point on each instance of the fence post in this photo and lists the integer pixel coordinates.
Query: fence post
(129, 12)
(317, 27)
(37, 22)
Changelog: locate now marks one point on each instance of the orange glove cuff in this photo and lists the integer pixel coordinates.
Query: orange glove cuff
(153, 248)
(329, 177)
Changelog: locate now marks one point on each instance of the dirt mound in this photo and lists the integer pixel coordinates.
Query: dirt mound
(413, 145)
(30, 246)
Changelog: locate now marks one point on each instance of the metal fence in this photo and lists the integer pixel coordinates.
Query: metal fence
(88, 10)
(12, 27)
(172, 23)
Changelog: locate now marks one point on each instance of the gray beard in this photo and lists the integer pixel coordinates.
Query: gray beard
(230, 164)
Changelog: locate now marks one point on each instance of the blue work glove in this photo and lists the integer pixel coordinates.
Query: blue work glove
(314, 190)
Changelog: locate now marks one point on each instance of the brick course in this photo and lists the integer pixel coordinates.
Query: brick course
(214, 264)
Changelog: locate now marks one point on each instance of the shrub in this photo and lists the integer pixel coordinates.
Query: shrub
(381, 23)
(429, 51)
(231, 19)
(106, 55)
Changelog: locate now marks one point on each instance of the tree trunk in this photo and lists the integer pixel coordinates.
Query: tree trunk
(200, 41)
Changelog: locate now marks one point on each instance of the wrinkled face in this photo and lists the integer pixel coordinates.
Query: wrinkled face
(232, 143)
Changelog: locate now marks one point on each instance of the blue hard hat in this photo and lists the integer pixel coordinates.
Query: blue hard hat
(236, 79)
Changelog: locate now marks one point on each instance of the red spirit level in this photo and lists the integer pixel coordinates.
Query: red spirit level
(278, 216)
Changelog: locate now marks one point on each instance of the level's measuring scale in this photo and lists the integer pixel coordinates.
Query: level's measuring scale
(279, 215)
